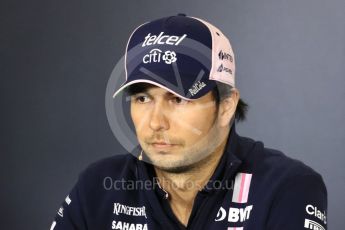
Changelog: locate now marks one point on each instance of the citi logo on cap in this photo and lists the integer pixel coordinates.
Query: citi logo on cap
(155, 56)
(162, 39)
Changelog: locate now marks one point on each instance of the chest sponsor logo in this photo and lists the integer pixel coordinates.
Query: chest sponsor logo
(127, 226)
(156, 55)
(163, 39)
(234, 215)
(309, 224)
(129, 210)
(314, 211)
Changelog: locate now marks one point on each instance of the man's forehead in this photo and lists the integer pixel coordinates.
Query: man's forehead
(156, 89)
(149, 89)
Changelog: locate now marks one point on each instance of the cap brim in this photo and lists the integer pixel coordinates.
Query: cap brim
(126, 84)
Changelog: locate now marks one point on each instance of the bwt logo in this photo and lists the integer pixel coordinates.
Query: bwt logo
(234, 214)
(222, 55)
(155, 55)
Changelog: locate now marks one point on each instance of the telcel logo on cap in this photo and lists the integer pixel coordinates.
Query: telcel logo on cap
(162, 39)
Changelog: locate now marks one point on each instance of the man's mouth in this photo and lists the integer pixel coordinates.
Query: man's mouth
(162, 145)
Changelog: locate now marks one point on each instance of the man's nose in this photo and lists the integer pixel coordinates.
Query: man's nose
(158, 117)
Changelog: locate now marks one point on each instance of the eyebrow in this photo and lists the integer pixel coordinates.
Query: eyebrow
(166, 94)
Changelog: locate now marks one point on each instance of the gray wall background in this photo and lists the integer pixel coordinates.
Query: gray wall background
(57, 56)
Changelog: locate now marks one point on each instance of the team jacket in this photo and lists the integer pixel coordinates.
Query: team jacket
(252, 188)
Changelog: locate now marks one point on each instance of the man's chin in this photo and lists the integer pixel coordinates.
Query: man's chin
(173, 169)
(169, 166)
(178, 166)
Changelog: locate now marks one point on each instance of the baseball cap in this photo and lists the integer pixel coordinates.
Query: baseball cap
(182, 54)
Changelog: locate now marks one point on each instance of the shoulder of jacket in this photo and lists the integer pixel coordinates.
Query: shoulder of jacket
(116, 167)
(259, 158)
(278, 161)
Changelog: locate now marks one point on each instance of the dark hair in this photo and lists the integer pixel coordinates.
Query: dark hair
(219, 93)
(223, 91)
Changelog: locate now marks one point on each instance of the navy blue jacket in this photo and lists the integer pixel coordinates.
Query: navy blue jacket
(252, 188)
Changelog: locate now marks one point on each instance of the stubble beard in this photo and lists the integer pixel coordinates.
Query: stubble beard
(192, 158)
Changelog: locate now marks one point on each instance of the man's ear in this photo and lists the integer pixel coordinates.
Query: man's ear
(227, 107)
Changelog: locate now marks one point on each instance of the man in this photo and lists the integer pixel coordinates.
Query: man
(191, 169)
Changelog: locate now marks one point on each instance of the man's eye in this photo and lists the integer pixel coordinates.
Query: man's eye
(142, 99)
(180, 101)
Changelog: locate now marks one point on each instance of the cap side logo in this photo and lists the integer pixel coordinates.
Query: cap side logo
(197, 87)
(225, 56)
(222, 68)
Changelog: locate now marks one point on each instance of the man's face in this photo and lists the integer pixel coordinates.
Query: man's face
(174, 133)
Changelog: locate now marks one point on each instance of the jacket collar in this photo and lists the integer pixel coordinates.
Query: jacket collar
(227, 165)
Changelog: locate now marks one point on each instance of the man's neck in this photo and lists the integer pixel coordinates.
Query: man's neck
(183, 187)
